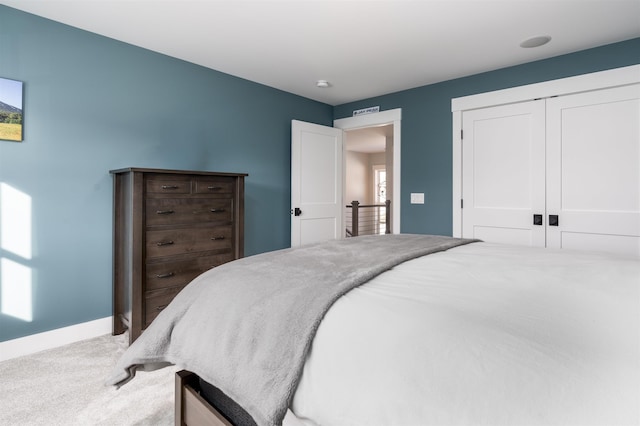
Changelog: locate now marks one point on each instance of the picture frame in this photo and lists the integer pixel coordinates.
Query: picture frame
(11, 110)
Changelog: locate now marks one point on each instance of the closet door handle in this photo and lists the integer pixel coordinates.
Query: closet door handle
(537, 219)
(553, 220)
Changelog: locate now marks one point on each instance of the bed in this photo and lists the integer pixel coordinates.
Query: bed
(410, 330)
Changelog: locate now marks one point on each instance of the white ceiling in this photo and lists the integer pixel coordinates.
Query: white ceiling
(368, 140)
(363, 48)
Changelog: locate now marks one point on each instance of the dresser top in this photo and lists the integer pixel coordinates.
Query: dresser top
(181, 172)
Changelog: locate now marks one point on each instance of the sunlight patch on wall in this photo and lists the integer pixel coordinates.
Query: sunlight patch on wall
(16, 290)
(16, 281)
(15, 221)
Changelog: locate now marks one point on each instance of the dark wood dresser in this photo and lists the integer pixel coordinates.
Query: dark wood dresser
(169, 227)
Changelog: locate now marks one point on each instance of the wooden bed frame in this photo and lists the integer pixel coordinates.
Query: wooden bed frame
(191, 408)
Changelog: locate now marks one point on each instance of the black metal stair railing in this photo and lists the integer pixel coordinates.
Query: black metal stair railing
(368, 219)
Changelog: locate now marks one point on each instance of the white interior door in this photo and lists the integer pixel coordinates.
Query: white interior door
(503, 173)
(593, 170)
(316, 183)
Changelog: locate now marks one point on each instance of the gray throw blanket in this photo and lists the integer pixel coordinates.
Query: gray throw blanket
(246, 326)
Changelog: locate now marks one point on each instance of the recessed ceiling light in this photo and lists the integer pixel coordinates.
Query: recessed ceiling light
(322, 83)
(536, 41)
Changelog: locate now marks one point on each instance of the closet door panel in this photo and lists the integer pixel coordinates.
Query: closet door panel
(593, 170)
(503, 154)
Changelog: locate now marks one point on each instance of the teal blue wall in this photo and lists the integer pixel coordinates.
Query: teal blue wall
(93, 104)
(427, 127)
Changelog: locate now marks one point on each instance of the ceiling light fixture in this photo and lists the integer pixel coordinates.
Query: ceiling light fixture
(536, 41)
(322, 83)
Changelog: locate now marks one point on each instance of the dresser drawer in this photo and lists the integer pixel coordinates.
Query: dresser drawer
(166, 185)
(213, 186)
(171, 274)
(174, 211)
(156, 301)
(189, 240)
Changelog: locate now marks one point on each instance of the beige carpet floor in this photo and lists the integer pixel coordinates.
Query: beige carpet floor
(65, 386)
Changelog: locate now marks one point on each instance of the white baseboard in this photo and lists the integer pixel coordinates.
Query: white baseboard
(54, 338)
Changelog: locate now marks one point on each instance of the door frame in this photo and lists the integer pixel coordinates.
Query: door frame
(564, 86)
(394, 117)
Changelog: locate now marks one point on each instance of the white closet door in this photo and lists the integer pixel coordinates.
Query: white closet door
(593, 170)
(503, 155)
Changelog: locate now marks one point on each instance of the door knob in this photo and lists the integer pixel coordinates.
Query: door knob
(297, 212)
(537, 219)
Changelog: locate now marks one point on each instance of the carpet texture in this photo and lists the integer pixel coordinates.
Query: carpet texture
(65, 386)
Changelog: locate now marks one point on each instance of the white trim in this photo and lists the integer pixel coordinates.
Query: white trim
(368, 120)
(581, 83)
(457, 174)
(564, 86)
(392, 116)
(52, 339)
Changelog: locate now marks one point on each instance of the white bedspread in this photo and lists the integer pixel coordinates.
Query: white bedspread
(481, 335)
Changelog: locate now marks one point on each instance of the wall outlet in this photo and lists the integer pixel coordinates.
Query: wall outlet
(417, 198)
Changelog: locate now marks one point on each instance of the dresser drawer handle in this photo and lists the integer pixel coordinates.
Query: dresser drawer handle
(218, 210)
(167, 275)
(214, 188)
(159, 308)
(170, 187)
(164, 243)
(165, 212)
(221, 237)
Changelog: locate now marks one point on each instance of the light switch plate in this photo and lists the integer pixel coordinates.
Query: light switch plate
(417, 198)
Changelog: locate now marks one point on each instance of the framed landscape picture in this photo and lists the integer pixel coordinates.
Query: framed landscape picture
(10, 110)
